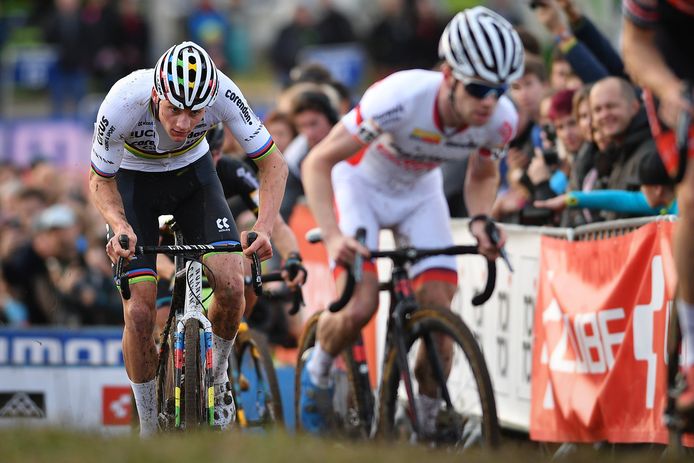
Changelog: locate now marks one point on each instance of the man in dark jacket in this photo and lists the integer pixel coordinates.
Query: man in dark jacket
(619, 117)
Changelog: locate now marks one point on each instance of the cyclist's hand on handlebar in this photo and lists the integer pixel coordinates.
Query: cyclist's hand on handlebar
(672, 103)
(342, 249)
(293, 271)
(261, 246)
(484, 242)
(114, 249)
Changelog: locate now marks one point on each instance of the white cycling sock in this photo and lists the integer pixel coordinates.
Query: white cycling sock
(221, 349)
(686, 314)
(319, 366)
(428, 409)
(146, 402)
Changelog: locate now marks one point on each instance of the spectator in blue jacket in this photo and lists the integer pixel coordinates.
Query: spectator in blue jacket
(657, 195)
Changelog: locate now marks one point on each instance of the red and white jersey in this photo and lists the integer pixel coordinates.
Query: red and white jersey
(399, 121)
(128, 135)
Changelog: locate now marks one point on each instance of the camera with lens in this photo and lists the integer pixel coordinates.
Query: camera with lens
(549, 145)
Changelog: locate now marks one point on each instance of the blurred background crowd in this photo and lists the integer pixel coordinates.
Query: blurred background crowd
(583, 150)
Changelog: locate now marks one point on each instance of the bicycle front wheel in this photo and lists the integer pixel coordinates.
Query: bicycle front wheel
(259, 403)
(454, 408)
(194, 406)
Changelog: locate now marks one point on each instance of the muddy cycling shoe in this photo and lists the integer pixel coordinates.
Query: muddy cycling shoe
(316, 404)
(224, 407)
(685, 401)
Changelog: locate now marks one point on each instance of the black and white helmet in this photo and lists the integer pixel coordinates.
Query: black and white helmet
(186, 77)
(479, 43)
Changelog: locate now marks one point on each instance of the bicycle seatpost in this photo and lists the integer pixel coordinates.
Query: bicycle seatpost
(121, 278)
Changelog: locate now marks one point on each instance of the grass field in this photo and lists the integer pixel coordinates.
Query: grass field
(58, 446)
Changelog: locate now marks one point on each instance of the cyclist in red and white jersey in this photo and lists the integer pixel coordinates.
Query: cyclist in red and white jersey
(659, 56)
(383, 158)
(150, 158)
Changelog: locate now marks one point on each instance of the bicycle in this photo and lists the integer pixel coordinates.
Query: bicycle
(252, 371)
(184, 383)
(410, 326)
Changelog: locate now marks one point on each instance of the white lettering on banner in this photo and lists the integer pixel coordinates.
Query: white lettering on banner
(610, 339)
(113, 352)
(502, 344)
(528, 314)
(4, 352)
(590, 342)
(33, 351)
(75, 347)
(583, 343)
(121, 407)
(643, 327)
(39, 351)
(593, 343)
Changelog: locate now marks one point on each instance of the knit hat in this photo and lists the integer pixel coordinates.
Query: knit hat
(561, 104)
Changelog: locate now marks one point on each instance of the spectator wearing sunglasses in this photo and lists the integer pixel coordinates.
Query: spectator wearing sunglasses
(379, 167)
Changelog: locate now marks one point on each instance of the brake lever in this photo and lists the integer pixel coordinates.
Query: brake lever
(122, 279)
(255, 266)
(493, 233)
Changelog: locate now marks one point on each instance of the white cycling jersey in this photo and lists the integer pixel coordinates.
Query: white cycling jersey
(398, 118)
(127, 134)
(395, 181)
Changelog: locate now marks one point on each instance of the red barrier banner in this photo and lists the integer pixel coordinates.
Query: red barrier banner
(600, 327)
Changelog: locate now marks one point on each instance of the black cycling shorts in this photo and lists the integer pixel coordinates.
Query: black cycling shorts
(192, 194)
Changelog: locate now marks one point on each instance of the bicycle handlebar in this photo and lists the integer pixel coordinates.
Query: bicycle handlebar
(411, 255)
(190, 250)
(297, 295)
(354, 275)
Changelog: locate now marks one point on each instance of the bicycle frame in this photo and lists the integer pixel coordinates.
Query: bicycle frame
(403, 303)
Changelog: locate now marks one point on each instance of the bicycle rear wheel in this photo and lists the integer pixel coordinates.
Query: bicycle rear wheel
(470, 417)
(258, 399)
(194, 406)
(353, 399)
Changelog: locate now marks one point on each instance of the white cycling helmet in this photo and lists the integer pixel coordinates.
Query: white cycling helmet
(186, 77)
(479, 43)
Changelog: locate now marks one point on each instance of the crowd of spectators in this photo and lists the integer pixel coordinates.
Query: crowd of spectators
(583, 132)
(52, 261)
(583, 139)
